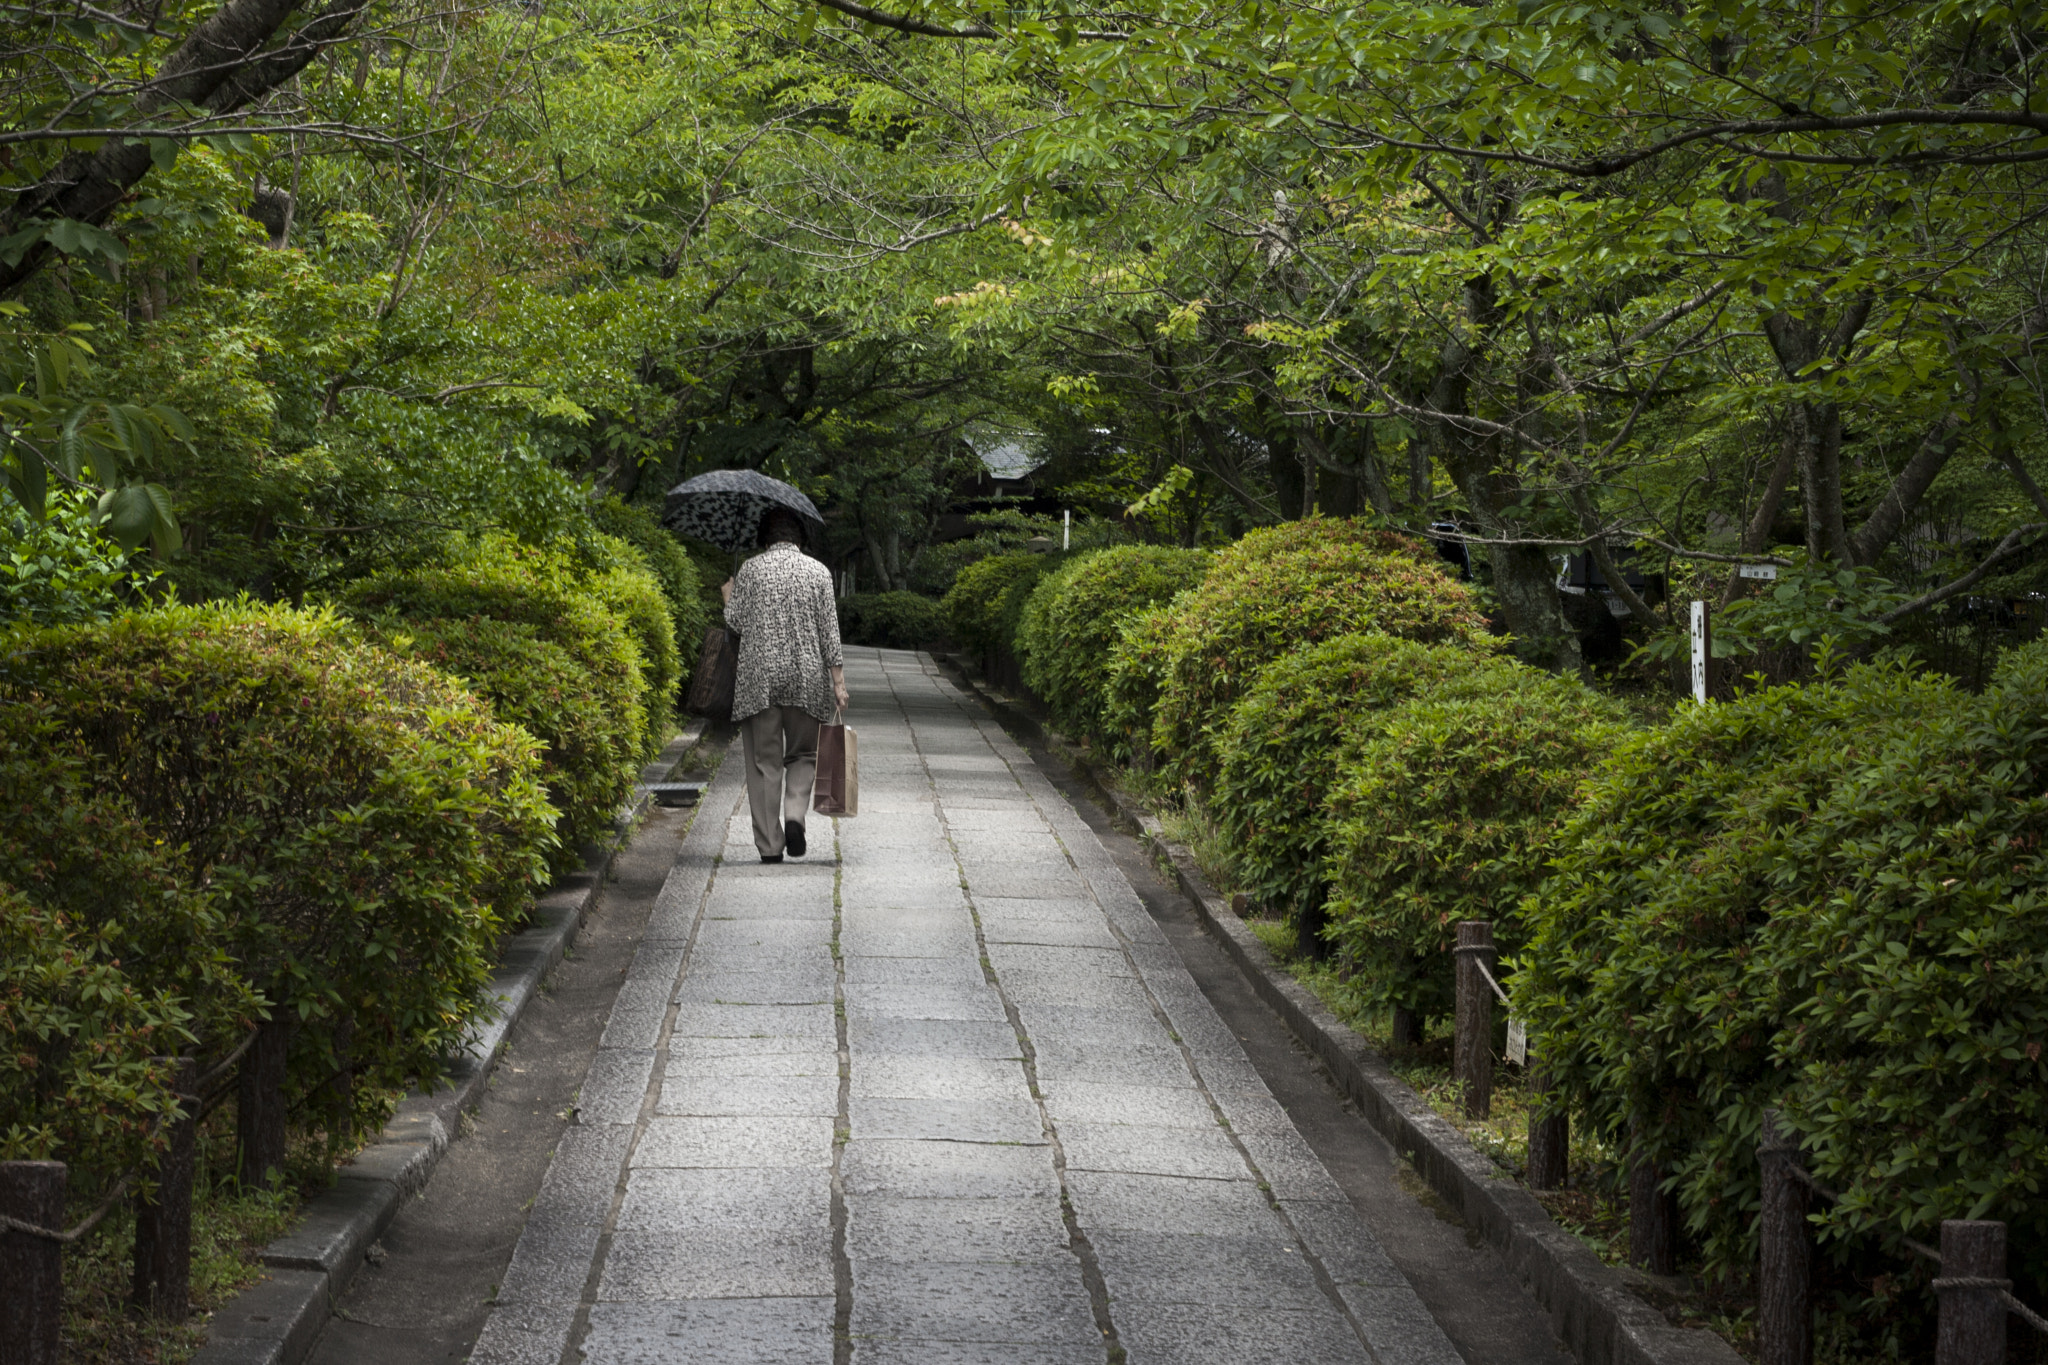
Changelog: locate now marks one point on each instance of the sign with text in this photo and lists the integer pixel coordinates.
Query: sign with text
(1702, 651)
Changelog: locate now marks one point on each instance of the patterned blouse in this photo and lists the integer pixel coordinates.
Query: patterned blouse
(789, 633)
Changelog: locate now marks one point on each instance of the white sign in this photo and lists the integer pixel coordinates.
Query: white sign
(1767, 572)
(1702, 647)
(1518, 1041)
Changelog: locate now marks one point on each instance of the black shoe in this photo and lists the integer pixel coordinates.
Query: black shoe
(793, 839)
(771, 857)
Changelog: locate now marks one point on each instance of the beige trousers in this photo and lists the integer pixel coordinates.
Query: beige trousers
(781, 748)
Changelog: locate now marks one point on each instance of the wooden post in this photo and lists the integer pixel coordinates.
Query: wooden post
(1550, 1139)
(260, 1108)
(1652, 1219)
(1473, 1057)
(1972, 1326)
(31, 1267)
(163, 1225)
(1784, 1279)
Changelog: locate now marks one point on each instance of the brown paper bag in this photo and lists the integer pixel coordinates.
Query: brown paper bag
(838, 789)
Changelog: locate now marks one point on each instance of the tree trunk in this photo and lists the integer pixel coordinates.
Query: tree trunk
(1652, 1219)
(1309, 921)
(1525, 585)
(1784, 1278)
(1283, 466)
(1550, 1141)
(163, 1224)
(260, 1106)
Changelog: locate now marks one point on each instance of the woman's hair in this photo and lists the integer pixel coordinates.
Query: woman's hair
(779, 524)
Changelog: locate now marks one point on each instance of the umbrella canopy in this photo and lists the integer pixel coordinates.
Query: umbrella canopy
(725, 507)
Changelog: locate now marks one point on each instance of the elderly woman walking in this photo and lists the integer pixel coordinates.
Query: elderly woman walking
(791, 676)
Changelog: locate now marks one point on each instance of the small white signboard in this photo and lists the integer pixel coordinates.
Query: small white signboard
(1702, 649)
(1767, 572)
(1518, 1042)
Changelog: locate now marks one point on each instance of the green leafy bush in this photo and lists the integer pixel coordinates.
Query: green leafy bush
(672, 567)
(1264, 597)
(1074, 620)
(1131, 681)
(517, 627)
(62, 568)
(1283, 745)
(360, 821)
(81, 1079)
(109, 962)
(1827, 898)
(974, 604)
(629, 591)
(891, 620)
(1449, 808)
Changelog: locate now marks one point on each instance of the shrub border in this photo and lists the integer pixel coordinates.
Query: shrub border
(1590, 1305)
(279, 1319)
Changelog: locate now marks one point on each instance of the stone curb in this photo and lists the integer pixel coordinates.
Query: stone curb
(278, 1320)
(1591, 1307)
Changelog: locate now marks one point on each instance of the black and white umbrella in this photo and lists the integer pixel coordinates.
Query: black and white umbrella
(725, 507)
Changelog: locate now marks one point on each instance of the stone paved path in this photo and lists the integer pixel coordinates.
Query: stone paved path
(942, 1094)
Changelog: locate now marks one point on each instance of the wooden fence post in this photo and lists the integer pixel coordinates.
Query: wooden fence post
(1784, 1279)
(31, 1267)
(1972, 1327)
(163, 1225)
(1652, 1218)
(1473, 1057)
(1550, 1139)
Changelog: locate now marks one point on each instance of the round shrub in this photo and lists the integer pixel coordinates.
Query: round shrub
(513, 623)
(629, 591)
(974, 604)
(1074, 618)
(671, 565)
(1131, 679)
(1449, 808)
(891, 620)
(1282, 746)
(363, 824)
(1262, 599)
(109, 963)
(1829, 899)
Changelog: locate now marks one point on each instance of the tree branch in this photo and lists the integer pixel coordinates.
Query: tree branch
(2005, 549)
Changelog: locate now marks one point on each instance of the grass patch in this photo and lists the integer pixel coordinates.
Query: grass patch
(230, 1227)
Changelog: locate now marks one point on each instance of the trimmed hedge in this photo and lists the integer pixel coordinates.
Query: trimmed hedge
(1282, 747)
(1280, 589)
(975, 603)
(1828, 899)
(515, 625)
(674, 571)
(891, 620)
(109, 962)
(629, 591)
(1132, 678)
(361, 822)
(1074, 621)
(1447, 808)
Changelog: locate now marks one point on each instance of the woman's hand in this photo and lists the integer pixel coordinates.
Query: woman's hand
(725, 592)
(839, 692)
